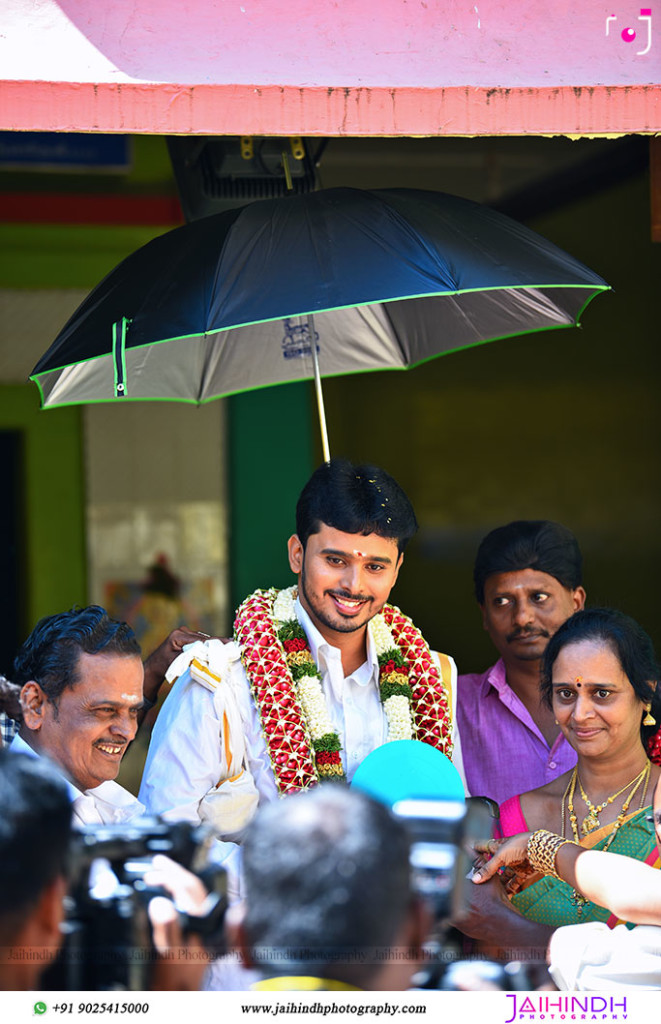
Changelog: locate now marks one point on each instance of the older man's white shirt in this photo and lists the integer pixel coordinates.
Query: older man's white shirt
(106, 804)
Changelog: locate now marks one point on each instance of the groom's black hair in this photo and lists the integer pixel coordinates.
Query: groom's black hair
(355, 499)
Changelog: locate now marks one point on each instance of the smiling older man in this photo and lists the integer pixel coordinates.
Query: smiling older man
(81, 690)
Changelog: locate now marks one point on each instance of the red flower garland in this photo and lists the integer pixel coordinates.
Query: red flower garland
(654, 747)
(432, 719)
(283, 723)
(285, 730)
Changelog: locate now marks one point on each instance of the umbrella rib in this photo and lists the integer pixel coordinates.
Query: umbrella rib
(395, 332)
(208, 355)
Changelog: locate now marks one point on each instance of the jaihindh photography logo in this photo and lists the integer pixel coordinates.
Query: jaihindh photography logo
(557, 1008)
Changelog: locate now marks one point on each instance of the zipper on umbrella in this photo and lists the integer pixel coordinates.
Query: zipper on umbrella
(119, 355)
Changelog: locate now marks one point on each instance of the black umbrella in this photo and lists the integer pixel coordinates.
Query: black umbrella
(382, 279)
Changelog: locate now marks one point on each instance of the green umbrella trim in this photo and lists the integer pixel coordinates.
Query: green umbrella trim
(358, 305)
(326, 376)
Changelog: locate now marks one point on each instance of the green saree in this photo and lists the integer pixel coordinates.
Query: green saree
(552, 902)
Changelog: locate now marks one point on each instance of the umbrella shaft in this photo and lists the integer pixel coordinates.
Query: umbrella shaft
(317, 388)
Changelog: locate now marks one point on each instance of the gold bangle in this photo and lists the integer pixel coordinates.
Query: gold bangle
(543, 849)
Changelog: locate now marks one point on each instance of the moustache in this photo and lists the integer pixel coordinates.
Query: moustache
(527, 631)
(344, 595)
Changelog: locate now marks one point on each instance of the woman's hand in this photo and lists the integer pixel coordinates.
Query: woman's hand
(503, 852)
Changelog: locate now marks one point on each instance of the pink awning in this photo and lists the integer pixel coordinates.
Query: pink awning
(330, 67)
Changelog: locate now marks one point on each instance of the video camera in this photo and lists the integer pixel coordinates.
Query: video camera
(107, 934)
(442, 836)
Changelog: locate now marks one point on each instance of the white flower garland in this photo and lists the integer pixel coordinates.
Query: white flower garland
(381, 635)
(398, 713)
(284, 606)
(314, 707)
(313, 700)
(398, 707)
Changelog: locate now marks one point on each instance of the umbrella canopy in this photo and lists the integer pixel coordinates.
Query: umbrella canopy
(391, 277)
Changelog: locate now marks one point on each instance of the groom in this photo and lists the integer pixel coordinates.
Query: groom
(319, 675)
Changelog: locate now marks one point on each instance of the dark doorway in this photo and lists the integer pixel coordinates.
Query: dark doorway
(12, 507)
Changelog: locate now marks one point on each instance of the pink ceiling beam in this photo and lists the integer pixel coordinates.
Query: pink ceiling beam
(236, 110)
(322, 67)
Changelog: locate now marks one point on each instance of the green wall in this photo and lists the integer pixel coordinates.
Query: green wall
(35, 256)
(53, 531)
(65, 256)
(272, 439)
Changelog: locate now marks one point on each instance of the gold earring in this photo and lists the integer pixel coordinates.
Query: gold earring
(649, 719)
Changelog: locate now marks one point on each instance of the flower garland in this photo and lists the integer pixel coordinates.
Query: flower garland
(394, 690)
(432, 718)
(286, 684)
(307, 677)
(654, 747)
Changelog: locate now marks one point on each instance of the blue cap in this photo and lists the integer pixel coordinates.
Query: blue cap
(408, 770)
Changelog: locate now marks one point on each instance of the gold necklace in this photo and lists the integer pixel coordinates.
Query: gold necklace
(591, 820)
(573, 820)
(644, 777)
(564, 799)
(577, 898)
(635, 784)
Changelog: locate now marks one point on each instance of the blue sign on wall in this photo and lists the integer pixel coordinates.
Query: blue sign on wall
(63, 151)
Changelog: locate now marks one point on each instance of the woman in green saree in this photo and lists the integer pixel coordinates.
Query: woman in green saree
(600, 677)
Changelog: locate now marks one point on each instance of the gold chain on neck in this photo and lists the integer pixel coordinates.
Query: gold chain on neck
(635, 784)
(578, 899)
(591, 820)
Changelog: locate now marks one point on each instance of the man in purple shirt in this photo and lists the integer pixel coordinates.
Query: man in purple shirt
(527, 582)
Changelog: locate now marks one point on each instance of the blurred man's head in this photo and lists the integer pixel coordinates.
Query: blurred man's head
(35, 833)
(81, 677)
(528, 581)
(328, 893)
